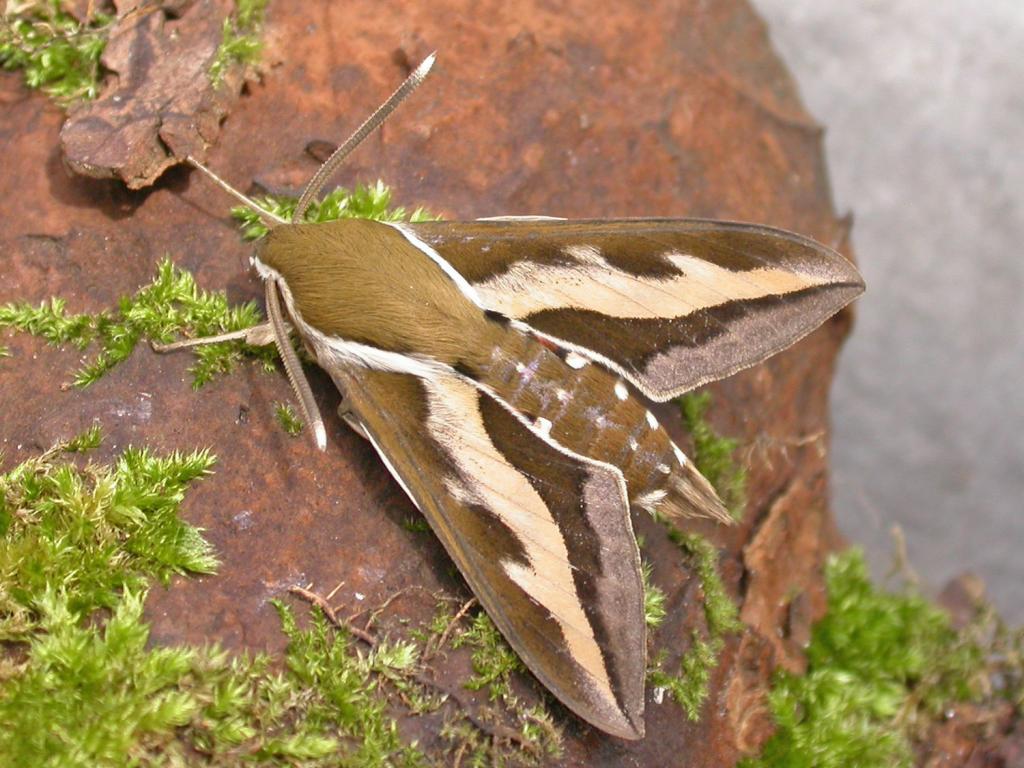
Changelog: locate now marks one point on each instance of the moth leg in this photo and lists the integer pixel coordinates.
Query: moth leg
(348, 416)
(257, 336)
(292, 366)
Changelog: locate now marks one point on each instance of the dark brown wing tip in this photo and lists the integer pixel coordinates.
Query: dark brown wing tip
(628, 728)
(844, 276)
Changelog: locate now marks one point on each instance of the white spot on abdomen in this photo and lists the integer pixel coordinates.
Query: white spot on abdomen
(574, 360)
(620, 390)
(651, 499)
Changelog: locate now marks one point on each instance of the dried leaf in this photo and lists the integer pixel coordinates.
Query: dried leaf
(160, 104)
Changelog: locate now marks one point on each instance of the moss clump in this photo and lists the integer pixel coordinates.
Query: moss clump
(654, 600)
(689, 686)
(57, 52)
(240, 39)
(288, 419)
(713, 454)
(88, 440)
(90, 695)
(713, 457)
(879, 667)
(371, 201)
(416, 525)
(493, 660)
(337, 691)
(84, 534)
(172, 304)
(484, 739)
(79, 685)
(538, 741)
(720, 611)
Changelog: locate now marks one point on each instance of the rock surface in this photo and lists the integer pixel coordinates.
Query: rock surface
(665, 108)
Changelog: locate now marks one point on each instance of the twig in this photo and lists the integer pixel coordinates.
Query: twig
(457, 762)
(333, 592)
(448, 630)
(386, 603)
(379, 609)
(332, 616)
(901, 560)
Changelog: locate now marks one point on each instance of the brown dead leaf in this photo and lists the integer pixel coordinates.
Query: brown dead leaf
(159, 105)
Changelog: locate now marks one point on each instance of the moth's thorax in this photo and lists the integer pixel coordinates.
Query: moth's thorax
(365, 282)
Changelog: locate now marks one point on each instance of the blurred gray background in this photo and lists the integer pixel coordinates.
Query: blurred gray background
(924, 105)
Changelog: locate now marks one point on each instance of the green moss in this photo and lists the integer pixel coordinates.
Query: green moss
(90, 532)
(88, 440)
(537, 742)
(90, 696)
(483, 740)
(720, 611)
(493, 660)
(49, 321)
(240, 39)
(288, 419)
(689, 688)
(713, 457)
(416, 525)
(338, 691)
(172, 304)
(880, 666)
(364, 202)
(79, 686)
(713, 454)
(654, 600)
(56, 52)
(94, 695)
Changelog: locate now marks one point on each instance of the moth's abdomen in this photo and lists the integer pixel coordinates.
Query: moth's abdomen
(591, 411)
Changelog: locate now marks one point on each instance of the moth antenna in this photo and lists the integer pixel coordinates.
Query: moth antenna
(325, 171)
(292, 366)
(270, 218)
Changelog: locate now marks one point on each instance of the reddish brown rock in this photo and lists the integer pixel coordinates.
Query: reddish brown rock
(780, 602)
(662, 108)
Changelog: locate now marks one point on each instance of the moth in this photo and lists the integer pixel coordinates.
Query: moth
(495, 364)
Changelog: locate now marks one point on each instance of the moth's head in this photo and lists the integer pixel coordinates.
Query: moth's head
(258, 259)
(308, 254)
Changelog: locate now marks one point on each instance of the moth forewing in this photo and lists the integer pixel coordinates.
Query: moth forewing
(542, 536)
(670, 304)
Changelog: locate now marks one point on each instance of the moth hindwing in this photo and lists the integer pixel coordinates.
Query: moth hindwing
(494, 365)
